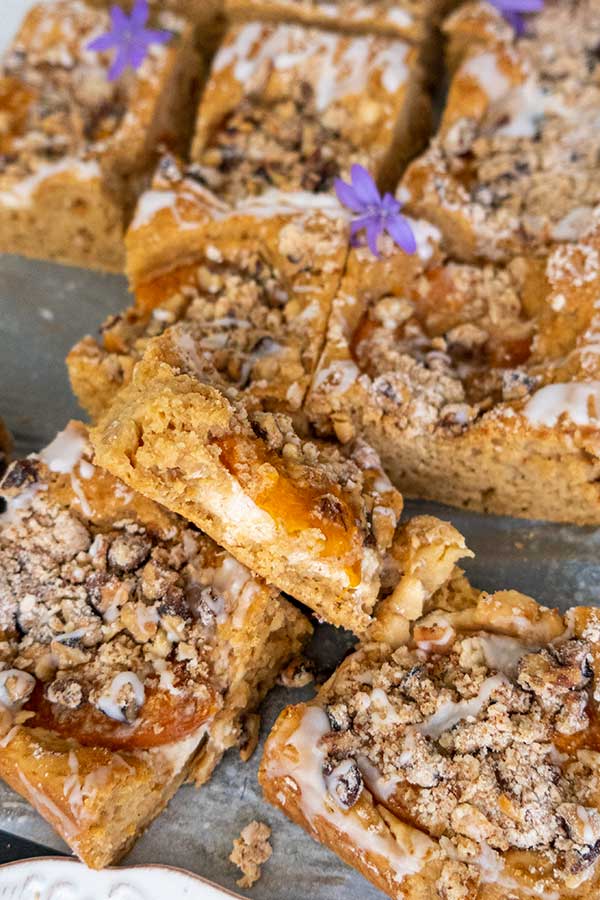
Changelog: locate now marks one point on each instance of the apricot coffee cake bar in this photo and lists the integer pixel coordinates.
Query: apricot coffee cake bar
(460, 765)
(513, 168)
(133, 649)
(76, 148)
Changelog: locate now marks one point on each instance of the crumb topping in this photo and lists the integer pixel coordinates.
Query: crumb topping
(452, 346)
(107, 614)
(314, 102)
(286, 144)
(250, 851)
(472, 745)
(525, 171)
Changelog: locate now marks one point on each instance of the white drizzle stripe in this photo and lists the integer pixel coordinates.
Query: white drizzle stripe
(20, 194)
(578, 401)
(450, 714)
(307, 774)
(340, 66)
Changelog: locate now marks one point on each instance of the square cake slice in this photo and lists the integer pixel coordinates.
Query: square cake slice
(132, 648)
(410, 20)
(513, 168)
(75, 148)
(315, 521)
(254, 293)
(477, 384)
(287, 109)
(463, 764)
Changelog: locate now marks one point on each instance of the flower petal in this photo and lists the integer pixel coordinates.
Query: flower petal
(118, 66)
(401, 233)
(104, 42)
(523, 6)
(157, 36)
(347, 195)
(364, 186)
(374, 229)
(137, 53)
(515, 19)
(139, 14)
(390, 205)
(120, 21)
(359, 224)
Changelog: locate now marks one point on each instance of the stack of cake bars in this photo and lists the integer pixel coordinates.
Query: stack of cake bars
(272, 392)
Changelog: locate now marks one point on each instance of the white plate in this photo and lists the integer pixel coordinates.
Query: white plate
(65, 879)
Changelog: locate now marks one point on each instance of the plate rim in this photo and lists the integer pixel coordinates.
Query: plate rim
(140, 866)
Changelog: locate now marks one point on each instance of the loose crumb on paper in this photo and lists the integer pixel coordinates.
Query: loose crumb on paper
(250, 851)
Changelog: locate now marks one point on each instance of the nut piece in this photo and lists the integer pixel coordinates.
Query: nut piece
(250, 851)
(344, 783)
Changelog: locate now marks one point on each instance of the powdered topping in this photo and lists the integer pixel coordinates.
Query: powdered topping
(467, 753)
(107, 607)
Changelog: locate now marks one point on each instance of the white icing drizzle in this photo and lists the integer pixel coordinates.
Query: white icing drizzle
(484, 69)
(578, 401)
(149, 204)
(41, 801)
(108, 703)
(340, 375)
(381, 788)
(427, 237)
(274, 202)
(306, 773)
(20, 193)
(450, 714)
(340, 66)
(503, 653)
(65, 451)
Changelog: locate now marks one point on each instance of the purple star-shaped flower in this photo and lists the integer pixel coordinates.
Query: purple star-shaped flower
(376, 213)
(513, 11)
(129, 37)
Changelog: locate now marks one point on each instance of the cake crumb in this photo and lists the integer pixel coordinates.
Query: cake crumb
(250, 851)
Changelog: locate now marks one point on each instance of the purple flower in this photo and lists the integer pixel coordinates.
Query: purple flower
(376, 213)
(513, 10)
(129, 37)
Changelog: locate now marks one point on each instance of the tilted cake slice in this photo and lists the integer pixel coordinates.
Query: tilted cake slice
(132, 648)
(316, 521)
(462, 764)
(75, 148)
(478, 384)
(513, 168)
